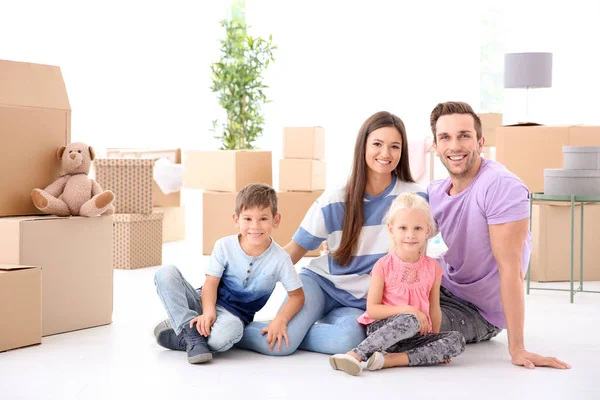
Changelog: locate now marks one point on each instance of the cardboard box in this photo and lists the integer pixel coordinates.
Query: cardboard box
(75, 255)
(301, 175)
(159, 198)
(527, 150)
(551, 254)
(137, 240)
(293, 206)
(20, 306)
(489, 123)
(300, 142)
(226, 170)
(130, 180)
(173, 223)
(217, 218)
(35, 120)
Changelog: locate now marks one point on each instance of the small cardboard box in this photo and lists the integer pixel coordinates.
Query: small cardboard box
(226, 170)
(304, 142)
(130, 180)
(301, 175)
(137, 240)
(159, 198)
(551, 254)
(293, 206)
(528, 149)
(489, 123)
(20, 306)
(217, 217)
(75, 255)
(35, 120)
(173, 223)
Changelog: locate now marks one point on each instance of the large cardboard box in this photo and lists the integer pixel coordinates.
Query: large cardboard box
(489, 123)
(159, 198)
(293, 206)
(173, 223)
(527, 150)
(217, 218)
(75, 255)
(301, 175)
(35, 120)
(226, 170)
(304, 142)
(20, 306)
(137, 240)
(551, 230)
(130, 180)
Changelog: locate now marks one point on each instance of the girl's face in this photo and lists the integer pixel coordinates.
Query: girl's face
(383, 150)
(410, 230)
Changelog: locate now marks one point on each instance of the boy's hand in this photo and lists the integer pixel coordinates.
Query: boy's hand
(204, 322)
(276, 330)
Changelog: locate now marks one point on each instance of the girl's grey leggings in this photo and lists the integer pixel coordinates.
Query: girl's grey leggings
(400, 334)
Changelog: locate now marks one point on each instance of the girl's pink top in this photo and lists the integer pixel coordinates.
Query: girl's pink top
(405, 284)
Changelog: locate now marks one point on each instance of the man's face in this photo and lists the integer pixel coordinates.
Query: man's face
(457, 144)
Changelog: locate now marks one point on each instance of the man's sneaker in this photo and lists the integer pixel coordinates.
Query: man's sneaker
(197, 346)
(161, 326)
(168, 339)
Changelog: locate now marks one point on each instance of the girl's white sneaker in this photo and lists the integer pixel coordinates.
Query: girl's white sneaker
(346, 363)
(375, 362)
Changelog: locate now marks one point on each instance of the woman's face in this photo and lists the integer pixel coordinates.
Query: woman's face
(383, 150)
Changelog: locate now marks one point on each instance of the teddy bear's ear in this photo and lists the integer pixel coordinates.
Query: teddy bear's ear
(92, 153)
(60, 152)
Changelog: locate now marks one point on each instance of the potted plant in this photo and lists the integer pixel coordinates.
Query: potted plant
(237, 78)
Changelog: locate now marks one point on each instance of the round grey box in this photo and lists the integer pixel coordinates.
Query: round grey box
(581, 157)
(579, 182)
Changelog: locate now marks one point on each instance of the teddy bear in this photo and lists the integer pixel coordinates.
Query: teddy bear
(74, 193)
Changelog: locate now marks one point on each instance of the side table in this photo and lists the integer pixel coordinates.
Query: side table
(540, 198)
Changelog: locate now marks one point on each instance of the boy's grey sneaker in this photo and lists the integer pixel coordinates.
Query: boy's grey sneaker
(197, 346)
(168, 339)
(161, 326)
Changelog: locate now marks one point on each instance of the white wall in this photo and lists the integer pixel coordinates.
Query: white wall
(138, 72)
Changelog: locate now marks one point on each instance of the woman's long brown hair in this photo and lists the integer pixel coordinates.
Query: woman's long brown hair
(355, 187)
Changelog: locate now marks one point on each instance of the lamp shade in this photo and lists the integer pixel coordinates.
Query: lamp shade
(528, 70)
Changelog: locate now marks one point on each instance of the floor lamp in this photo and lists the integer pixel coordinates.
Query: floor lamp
(527, 70)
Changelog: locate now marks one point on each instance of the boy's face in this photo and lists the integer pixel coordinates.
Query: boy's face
(256, 224)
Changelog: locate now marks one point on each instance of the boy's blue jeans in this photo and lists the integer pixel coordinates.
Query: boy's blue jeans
(337, 330)
(182, 303)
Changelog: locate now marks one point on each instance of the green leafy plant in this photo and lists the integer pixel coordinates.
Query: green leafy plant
(238, 79)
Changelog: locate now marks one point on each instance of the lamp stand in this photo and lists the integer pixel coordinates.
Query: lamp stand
(527, 104)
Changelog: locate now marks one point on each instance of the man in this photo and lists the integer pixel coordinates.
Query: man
(482, 212)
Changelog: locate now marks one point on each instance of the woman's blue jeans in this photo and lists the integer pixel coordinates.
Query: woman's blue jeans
(322, 325)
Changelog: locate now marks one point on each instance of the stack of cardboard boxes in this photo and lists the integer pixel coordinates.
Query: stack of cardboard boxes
(143, 212)
(221, 175)
(527, 150)
(489, 123)
(55, 273)
(301, 178)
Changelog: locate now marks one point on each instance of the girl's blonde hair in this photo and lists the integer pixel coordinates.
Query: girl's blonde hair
(411, 201)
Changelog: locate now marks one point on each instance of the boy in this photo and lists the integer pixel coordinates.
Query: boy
(240, 278)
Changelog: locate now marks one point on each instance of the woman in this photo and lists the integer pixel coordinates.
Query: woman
(350, 219)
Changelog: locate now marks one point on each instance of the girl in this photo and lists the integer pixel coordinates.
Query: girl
(403, 314)
(349, 218)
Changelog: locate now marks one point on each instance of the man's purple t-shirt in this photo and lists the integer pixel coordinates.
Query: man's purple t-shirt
(496, 196)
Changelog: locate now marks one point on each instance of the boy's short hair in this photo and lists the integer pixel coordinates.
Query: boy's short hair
(256, 195)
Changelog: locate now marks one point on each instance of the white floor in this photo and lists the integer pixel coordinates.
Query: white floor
(122, 360)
